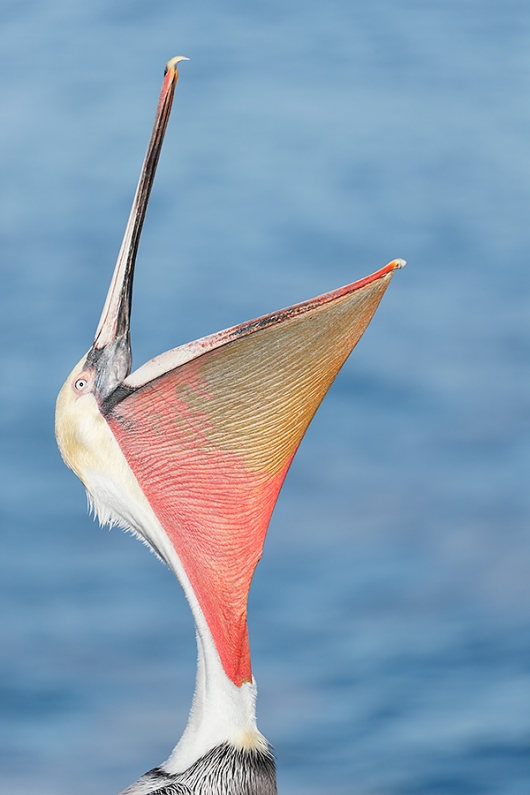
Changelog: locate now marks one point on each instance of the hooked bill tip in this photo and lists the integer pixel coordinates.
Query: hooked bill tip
(399, 263)
(174, 61)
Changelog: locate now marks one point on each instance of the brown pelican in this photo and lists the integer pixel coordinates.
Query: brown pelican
(190, 452)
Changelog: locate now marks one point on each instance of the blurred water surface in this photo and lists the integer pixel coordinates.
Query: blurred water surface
(310, 144)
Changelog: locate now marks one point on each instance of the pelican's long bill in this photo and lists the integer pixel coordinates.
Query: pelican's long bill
(112, 334)
(190, 452)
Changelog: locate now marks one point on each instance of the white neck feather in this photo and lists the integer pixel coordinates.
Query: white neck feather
(221, 711)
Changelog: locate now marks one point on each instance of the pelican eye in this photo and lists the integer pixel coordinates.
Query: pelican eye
(81, 383)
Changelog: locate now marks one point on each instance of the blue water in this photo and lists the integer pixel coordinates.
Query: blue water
(310, 144)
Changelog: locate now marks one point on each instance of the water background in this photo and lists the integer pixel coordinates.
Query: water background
(310, 144)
